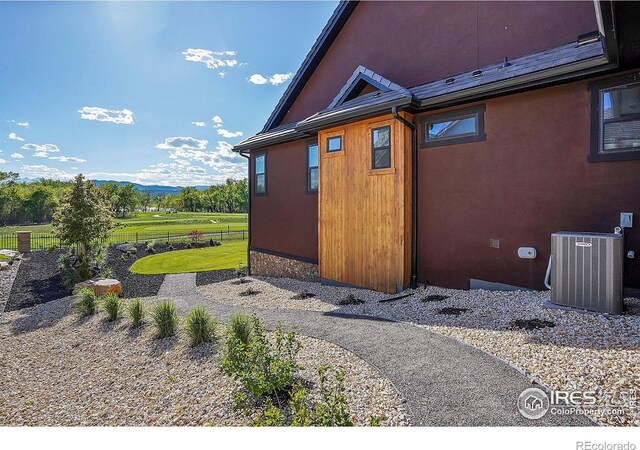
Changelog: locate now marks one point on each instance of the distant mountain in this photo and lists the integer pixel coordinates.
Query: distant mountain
(152, 188)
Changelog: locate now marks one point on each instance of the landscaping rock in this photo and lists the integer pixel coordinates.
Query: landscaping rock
(9, 253)
(100, 286)
(4, 265)
(124, 248)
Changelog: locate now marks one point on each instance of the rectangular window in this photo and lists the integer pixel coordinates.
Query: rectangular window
(453, 127)
(381, 147)
(312, 167)
(334, 144)
(260, 184)
(615, 119)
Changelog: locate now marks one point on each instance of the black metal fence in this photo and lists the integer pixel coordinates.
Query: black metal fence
(44, 241)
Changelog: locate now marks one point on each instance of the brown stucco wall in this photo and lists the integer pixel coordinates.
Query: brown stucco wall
(414, 42)
(528, 179)
(286, 219)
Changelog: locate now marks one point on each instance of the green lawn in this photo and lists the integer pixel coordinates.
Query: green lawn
(229, 255)
(160, 222)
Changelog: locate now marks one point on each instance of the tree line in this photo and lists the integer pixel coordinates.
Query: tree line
(35, 202)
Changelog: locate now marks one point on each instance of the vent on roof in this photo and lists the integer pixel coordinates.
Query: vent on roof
(505, 63)
(477, 73)
(449, 81)
(588, 38)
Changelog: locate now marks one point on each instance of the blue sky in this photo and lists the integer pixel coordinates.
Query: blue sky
(154, 93)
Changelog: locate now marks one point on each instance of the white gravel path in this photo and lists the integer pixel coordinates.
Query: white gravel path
(582, 351)
(7, 278)
(57, 369)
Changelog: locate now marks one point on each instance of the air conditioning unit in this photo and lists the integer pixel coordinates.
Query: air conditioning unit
(586, 271)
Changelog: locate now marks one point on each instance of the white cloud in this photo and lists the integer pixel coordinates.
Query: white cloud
(196, 169)
(210, 58)
(42, 171)
(68, 159)
(275, 79)
(229, 134)
(123, 116)
(3, 161)
(225, 149)
(17, 155)
(183, 142)
(15, 137)
(217, 119)
(20, 124)
(222, 74)
(41, 150)
(199, 124)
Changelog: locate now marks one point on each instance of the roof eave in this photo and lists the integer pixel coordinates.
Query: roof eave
(534, 79)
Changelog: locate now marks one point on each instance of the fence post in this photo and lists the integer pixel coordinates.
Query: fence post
(220, 236)
(136, 237)
(167, 236)
(243, 235)
(24, 241)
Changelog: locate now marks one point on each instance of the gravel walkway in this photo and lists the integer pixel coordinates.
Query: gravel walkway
(444, 382)
(7, 278)
(563, 350)
(59, 370)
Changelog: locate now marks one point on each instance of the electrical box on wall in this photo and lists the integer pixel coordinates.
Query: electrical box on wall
(626, 220)
(527, 253)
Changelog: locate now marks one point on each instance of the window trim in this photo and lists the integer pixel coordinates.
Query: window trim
(373, 148)
(597, 125)
(308, 188)
(341, 143)
(255, 174)
(474, 111)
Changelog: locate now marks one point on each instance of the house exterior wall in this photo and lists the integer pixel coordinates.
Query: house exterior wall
(529, 178)
(286, 219)
(411, 43)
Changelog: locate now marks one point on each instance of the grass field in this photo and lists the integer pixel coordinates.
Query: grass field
(229, 255)
(160, 222)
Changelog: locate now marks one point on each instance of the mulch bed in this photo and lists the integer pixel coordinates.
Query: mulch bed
(215, 276)
(38, 281)
(133, 284)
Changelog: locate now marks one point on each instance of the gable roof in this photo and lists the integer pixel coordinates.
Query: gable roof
(311, 61)
(360, 77)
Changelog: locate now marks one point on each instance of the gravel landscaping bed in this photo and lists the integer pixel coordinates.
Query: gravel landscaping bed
(564, 350)
(272, 293)
(57, 369)
(37, 281)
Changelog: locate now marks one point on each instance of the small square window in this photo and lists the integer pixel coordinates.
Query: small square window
(334, 144)
(381, 147)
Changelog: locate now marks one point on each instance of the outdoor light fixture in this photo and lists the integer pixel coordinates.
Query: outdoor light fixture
(506, 63)
(477, 73)
(449, 81)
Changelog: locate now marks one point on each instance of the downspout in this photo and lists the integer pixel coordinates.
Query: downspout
(414, 195)
(248, 158)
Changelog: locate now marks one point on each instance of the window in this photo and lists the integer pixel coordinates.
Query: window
(312, 167)
(454, 127)
(260, 184)
(615, 119)
(381, 147)
(334, 144)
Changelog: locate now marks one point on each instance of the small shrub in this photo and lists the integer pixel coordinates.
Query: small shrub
(150, 247)
(212, 243)
(106, 272)
(69, 272)
(165, 318)
(195, 236)
(87, 303)
(240, 402)
(200, 326)
(249, 292)
(189, 245)
(136, 312)
(263, 367)
(170, 247)
(374, 421)
(240, 327)
(350, 299)
(302, 295)
(331, 410)
(112, 304)
(270, 417)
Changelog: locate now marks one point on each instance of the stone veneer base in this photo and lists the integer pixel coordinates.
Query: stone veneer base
(265, 264)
